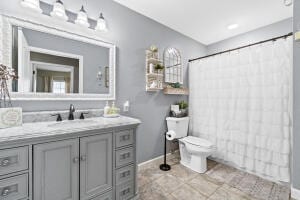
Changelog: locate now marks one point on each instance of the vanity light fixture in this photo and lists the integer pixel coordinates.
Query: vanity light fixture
(59, 11)
(232, 26)
(82, 18)
(32, 5)
(101, 24)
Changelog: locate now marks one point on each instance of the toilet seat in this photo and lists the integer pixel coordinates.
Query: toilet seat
(198, 142)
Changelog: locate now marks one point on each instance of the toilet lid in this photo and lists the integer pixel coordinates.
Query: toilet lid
(198, 141)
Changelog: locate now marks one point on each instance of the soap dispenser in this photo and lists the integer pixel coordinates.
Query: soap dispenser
(106, 108)
(113, 108)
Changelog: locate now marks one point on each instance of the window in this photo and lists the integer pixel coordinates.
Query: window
(59, 86)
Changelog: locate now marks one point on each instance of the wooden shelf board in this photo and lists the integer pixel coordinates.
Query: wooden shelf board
(176, 91)
(297, 36)
(154, 74)
(153, 89)
(154, 61)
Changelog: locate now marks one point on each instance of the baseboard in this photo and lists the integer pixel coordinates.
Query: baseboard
(295, 193)
(159, 157)
(148, 161)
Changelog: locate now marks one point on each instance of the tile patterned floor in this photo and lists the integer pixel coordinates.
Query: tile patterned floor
(220, 182)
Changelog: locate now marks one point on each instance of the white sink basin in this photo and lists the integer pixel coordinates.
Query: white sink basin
(73, 123)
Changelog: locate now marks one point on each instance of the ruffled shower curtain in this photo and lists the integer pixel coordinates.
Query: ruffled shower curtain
(241, 101)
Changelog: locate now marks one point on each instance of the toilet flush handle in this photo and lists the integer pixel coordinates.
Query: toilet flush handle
(182, 144)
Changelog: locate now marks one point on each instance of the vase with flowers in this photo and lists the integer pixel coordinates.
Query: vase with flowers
(9, 115)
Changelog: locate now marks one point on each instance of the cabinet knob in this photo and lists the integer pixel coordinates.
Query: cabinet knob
(75, 160)
(124, 192)
(125, 155)
(5, 192)
(5, 162)
(125, 174)
(125, 137)
(82, 158)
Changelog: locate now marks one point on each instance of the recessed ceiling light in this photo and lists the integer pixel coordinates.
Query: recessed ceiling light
(288, 2)
(232, 26)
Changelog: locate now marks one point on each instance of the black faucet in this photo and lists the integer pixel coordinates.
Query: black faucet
(71, 113)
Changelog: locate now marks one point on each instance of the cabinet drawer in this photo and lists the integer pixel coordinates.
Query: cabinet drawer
(124, 156)
(125, 191)
(124, 174)
(14, 188)
(13, 160)
(124, 138)
(106, 196)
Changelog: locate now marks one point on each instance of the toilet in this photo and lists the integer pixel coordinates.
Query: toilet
(193, 150)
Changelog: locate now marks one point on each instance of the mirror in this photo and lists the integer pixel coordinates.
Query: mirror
(173, 66)
(52, 63)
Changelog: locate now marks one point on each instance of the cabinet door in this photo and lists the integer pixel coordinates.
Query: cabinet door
(56, 170)
(95, 165)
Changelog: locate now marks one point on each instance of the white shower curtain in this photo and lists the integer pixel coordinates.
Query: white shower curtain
(241, 101)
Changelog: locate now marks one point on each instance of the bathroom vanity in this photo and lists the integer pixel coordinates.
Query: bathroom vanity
(91, 159)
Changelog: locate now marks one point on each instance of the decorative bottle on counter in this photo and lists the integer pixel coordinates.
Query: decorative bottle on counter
(106, 108)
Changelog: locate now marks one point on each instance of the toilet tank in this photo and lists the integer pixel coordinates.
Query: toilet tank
(178, 125)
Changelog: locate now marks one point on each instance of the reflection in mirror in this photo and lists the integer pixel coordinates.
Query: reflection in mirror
(49, 63)
(173, 66)
(54, 78)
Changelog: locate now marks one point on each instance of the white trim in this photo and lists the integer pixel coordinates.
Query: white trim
(295, 193)
(6, 26)
(154, 159)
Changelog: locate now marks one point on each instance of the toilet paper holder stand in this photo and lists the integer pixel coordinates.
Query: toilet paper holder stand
(165, 166)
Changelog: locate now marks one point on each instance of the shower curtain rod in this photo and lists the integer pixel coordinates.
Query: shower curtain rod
(249, 45)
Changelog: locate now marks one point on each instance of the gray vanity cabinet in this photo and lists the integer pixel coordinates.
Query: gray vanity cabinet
(96, 168)
(68, 168)
(56, 170)
(86, 164)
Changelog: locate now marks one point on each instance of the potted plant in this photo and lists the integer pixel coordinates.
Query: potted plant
(154, 51)
(175, 85)
(159, 67)
(183, 107)
(9, 116)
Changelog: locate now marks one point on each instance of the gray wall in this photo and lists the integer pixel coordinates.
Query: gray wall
(264, 33)
(133, 33)
(296, 106)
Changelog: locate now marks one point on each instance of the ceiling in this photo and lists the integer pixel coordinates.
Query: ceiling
(207, 21)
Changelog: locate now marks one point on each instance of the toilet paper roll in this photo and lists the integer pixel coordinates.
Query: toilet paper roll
(170, 135)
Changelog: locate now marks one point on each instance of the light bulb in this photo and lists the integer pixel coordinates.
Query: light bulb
(59, 11)
(101, 24)
(32, 4)
(82, 18)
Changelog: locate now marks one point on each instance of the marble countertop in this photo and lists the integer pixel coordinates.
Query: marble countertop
(43, 129)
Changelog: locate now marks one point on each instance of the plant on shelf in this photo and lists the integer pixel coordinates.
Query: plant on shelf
(152, 52)
(159, 67)
(153, 49)
(175, 85)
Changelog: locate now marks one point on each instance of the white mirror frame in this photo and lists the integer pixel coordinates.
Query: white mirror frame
(6, 24)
